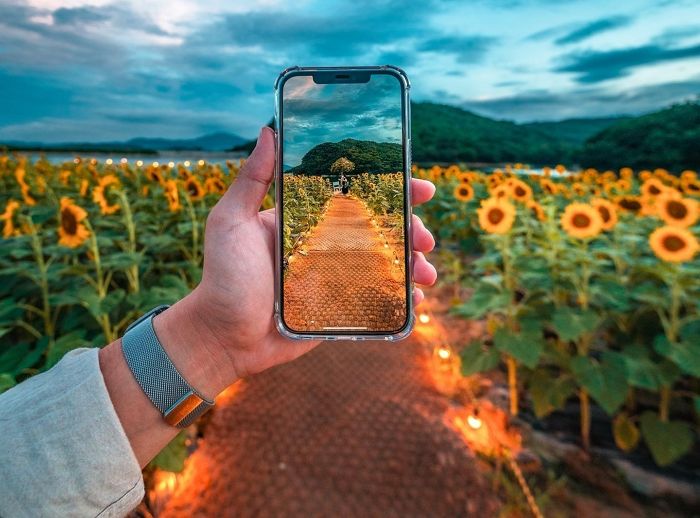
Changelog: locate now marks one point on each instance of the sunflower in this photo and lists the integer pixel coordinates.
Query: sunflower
(607, 211)
(24, 187)
(84, 184)
(8, 228)
(689, 175)
(100, 191)
(548, 186)
(496, 215)
(214, 185)
(629, 203)
(194, 189)
(536, 209)
(673, 244)
(172, 195)
(520, 191)
(680, 212)
(501, 191)
(464, 192)
(71, 232)
(648, 204)
(652, 187)
(581, 220)
(691, 187)
(626, 173)
(579, 189)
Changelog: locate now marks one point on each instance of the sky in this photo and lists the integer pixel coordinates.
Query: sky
(105, 70)
(316, 113)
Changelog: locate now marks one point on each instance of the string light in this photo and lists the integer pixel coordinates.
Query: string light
(444, 352)
(139, 163)
(155, 164)
(423, 318)
(124, 160)
(109, 161)
(200, 163)
(171, 164)
(474, 421)
(187, 163)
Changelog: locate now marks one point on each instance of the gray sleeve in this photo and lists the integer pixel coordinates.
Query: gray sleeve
(63, 451)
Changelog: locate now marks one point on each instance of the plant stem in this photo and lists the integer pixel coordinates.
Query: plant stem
(585, 418)
(43, 281)
(132, 273)
(512, 384)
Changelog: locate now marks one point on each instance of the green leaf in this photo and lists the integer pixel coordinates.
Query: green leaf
(605, 381)
(11, 358)
(525, 346)
(484, 299)
(667, 440)
(7, 381)
(172, 457)
(572, 323)
(477, 358)
(684, 354)
(625, 432)
(549, 393)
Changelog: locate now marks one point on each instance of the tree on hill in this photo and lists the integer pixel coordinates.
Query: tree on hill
(366, 155)
(668, 138)
(342, 166)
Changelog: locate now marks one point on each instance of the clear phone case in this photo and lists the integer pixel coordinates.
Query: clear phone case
(406, 141)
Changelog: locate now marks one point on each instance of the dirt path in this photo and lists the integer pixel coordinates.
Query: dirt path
(350, 429)
(347, 278)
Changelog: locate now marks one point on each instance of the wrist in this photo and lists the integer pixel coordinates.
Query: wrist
(193, 349)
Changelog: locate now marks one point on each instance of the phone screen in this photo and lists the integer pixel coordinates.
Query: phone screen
(343, 206)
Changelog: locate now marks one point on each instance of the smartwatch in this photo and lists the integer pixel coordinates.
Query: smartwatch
(177, 401)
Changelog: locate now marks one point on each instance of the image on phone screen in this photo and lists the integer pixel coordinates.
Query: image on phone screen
(343, 206)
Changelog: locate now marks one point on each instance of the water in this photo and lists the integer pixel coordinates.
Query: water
(162, 157)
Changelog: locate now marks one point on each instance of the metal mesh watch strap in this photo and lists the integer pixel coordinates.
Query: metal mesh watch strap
(179, 403)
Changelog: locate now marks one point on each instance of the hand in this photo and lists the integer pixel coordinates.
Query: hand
(224, 330)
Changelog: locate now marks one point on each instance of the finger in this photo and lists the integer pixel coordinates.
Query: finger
(418, 296)
(423, 272)
(250, 187)
(423, 240)
(421, 191)
(268, 219)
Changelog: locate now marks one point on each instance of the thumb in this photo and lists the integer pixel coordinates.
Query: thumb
(250, 187)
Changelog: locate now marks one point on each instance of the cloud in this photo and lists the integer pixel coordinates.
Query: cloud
(593, 66)
(466, 49)
(592, 28)
(587, 101)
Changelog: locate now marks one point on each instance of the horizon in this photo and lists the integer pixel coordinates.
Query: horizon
(73, 71)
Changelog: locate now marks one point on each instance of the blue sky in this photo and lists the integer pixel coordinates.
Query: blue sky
(316, 113)
(72, 70)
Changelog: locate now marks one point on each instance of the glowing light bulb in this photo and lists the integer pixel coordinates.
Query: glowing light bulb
(187, 163)
(109, 161)
(444, 353)
(155, 164)
(386, 245)
(396, 261)
(171, 164)
(139, 163)
(76, 160)
(124, 160)
(423, 318)
(474, 422)
(200, 163)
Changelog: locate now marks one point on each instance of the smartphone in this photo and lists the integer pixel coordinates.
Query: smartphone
(343, 206)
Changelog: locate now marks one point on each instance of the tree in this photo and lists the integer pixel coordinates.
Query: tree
(342, 166)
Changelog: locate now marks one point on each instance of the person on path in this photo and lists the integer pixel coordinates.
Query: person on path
(344, 184)
(74, 438)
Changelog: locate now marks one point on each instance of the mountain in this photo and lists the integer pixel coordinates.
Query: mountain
(212, 142)
(368, 156)
(669, 138)
(574, 131)
(442, 133)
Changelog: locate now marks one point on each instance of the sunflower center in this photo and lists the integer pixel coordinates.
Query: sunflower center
(632, 205)
(604, 213)
(654, 190)
(673, 243)
(495, 216)
(68, 221)
(192, 189)
(519, 191)
(464, 191)
(581, 220)
(677, 209)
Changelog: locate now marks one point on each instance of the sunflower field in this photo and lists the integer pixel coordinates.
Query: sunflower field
(305, 199)
(589, 284)
(87, 247)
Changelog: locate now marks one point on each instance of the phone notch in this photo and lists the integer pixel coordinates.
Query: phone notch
(334, 77)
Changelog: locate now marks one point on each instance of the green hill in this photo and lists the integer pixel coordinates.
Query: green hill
(444, 133)
(368, 156)
(573, 131)
(668, 138)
